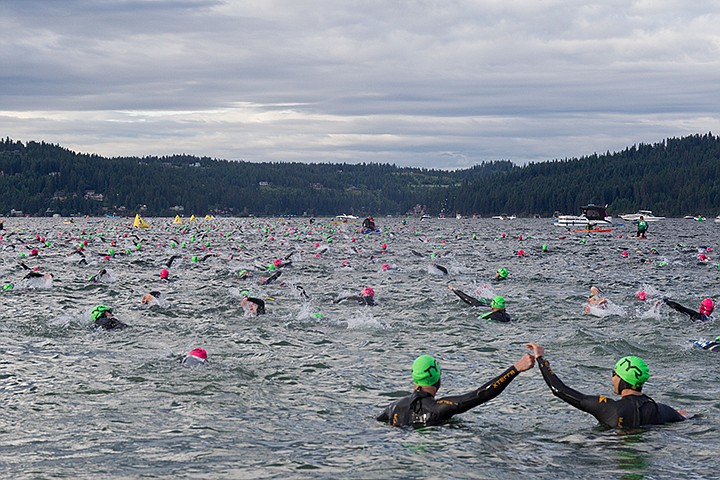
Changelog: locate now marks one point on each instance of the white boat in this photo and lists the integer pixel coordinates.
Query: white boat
(646, 214)
(717, 219)
(593, 215)
(346, 217)
(504, 217)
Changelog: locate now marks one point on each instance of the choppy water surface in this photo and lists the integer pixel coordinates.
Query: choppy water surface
(294, 394)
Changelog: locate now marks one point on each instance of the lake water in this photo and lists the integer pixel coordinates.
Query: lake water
(294, 393)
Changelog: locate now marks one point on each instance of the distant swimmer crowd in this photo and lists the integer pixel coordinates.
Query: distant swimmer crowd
(262, 278)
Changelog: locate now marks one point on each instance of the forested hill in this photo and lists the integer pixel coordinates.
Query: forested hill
(673, 178)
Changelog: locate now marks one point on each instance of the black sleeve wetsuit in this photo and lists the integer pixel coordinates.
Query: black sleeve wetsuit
(497, 316)
(109, 323)
(420, 409)
(712, 346)
(691, 313)
(472, 301)
(629, 411)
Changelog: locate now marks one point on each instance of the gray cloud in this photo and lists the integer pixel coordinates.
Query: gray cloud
(425, 83)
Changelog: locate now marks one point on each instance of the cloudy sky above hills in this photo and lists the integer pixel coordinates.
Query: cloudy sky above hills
(426, 83)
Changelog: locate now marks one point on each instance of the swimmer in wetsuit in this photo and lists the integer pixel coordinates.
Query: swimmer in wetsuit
(706, 308)
(595, 300)
(366, 298)
(498, 312)
(104, 318)
(252, 305)
(422, 409)
(501, 274)
(634, 409)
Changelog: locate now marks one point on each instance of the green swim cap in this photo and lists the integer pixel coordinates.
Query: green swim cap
(194, 258)
(633, 370)
(503, 272)
(544, 247)
(8, 286)
(98, 311)
(498, 302)
(425, 371)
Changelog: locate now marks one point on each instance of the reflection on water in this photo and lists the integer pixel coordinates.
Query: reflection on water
(295, 392)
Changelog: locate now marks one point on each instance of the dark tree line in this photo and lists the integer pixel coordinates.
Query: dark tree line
(674, 177)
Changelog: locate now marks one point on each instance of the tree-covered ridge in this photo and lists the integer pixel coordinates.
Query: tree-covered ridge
(674, 177)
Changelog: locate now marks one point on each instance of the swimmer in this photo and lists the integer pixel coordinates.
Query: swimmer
(103, 276)
(196, 358)
(501, 274)
(104, 318)
(271, 278)
(152, 298)
(595, 299)
(35, 279)
(253, 306)
(421, 409)
(642, 227)
(634, 409)
(164, 275)
(366, 298)
(706, 308)
(713, 346)
(498, 312)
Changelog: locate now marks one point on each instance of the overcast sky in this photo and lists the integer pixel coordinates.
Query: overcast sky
(428, 83)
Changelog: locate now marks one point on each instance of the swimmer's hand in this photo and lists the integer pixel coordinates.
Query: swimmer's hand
(451, 288)
(525, 363)
(537, 350)
(684, 413)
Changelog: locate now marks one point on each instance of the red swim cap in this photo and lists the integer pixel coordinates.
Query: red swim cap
(521, 253)
(368, 292)
(277, 262)
(641, 295)
(707, 306)
(198, 352)
(164, 274)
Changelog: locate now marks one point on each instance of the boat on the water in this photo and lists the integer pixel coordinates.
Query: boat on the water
(504, 217)
(346, 217)
(593, 215)
(646, 214)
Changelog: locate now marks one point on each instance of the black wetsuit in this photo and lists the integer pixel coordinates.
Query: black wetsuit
(691, 313)
(472, 301)
(497, 316)
(713, 346)
(629, 411)
(420, 409)
(109, 323)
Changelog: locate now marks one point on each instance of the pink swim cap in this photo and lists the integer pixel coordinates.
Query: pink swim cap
(368, 292)
(707, 306)
(625, 253)
(641, 295)
(277, 262)
(198, 352)
(164, 274)
(385, 266)
(702, 257)
(521, 253)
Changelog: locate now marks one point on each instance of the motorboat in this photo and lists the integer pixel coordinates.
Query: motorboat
(646, 214)
(345, 217)
(504, 217)
(592, 215)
